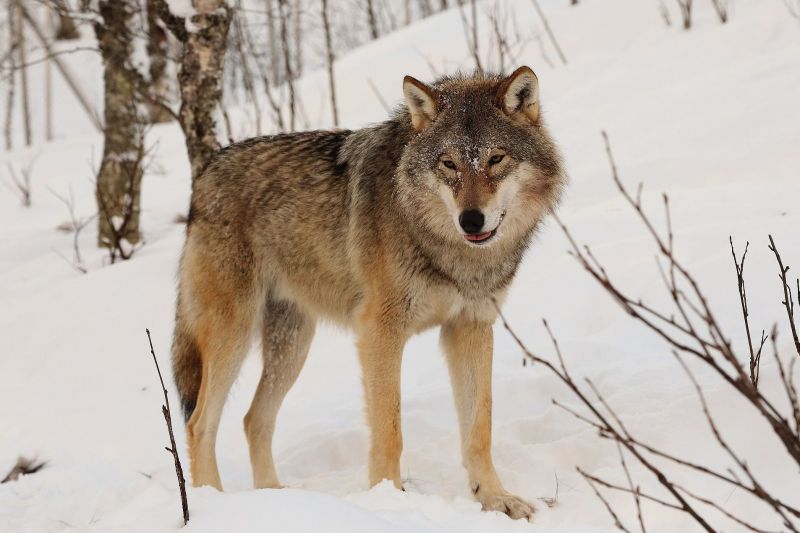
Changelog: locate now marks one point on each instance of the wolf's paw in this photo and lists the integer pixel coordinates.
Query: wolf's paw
(514, 506)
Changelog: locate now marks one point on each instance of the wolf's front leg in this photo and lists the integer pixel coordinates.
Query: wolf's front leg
(468, 347)
(380, 349)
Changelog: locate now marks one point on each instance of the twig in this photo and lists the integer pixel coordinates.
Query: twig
(685, 7)
(287, 63)
(173, 448)
(23, 467)
(549, 31)
(22, 185)
(788, 300)
(65, 73)
(76, 224)
(552, 502)
(634, 490)
(48, 56)
(591, 481)
(471, 33)
(755, 356)
(378, 94)
(330, 60)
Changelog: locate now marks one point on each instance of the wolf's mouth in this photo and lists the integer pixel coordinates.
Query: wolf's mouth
(481, 238)
(486, 236)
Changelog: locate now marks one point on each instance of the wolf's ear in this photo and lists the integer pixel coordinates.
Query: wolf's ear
(518, 96)
(421, 102)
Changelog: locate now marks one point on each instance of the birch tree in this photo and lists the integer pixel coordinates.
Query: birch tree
(200, 73)
(120, 175)
(326, 25)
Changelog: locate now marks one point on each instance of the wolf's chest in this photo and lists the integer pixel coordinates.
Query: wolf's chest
(439, 305)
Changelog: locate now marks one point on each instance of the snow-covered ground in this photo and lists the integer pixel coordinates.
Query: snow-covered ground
(709, 116)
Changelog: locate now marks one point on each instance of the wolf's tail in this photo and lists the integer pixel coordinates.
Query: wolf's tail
(187, 366)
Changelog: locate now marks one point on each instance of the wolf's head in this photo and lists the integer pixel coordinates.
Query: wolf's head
(480, 166)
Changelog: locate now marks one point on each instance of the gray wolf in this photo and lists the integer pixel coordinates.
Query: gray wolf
(416, 222)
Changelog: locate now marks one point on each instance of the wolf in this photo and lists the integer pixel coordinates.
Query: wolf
(416, 222)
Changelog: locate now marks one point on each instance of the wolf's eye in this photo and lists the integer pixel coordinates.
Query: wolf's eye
(495, 159)
(449, 164)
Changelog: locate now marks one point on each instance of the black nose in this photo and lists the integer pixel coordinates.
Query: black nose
(471, 221)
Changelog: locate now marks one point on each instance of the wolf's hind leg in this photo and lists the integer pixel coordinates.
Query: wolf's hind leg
(224, 337)
(286, 337)
(468, 347)
(216, 314)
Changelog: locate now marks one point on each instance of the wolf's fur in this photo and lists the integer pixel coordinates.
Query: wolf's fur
(362, 228)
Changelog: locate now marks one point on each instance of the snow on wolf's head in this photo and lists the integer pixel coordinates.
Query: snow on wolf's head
(480, 167)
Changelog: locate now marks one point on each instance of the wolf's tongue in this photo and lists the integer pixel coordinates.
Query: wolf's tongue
(479, 237)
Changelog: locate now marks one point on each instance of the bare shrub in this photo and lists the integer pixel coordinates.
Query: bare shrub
(20, 182)
(173, 447)
(23, 467)
(75, 225)
(506, 40)
(685, 7)
(693, 332)
(664, 12)
(549, 31)
(471, 32)
(721, 7)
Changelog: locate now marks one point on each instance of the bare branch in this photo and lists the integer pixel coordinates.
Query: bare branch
(549, 31)
(690, 328)
(76, 225)
(755, 356)
(591, 481)
(788, 299)
(173, 449)
(23, 467)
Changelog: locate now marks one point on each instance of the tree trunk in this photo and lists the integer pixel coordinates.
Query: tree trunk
(329, 49)
(373, 22)
(69, 78)
(200, 80)
(120, 177)
(425, 8)
(721, 7)
(157, 46)
(66, 29)
(200, 74)
(10, 79)
(298, 38)
(23, 73)
(283, 15)
(686, 13)
(48, 90)
(274, 56)
(475, 35)
(241, 45)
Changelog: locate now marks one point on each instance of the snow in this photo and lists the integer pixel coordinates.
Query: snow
(709, 116)
(182, 8)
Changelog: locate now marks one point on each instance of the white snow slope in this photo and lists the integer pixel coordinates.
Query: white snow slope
(709, 116)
